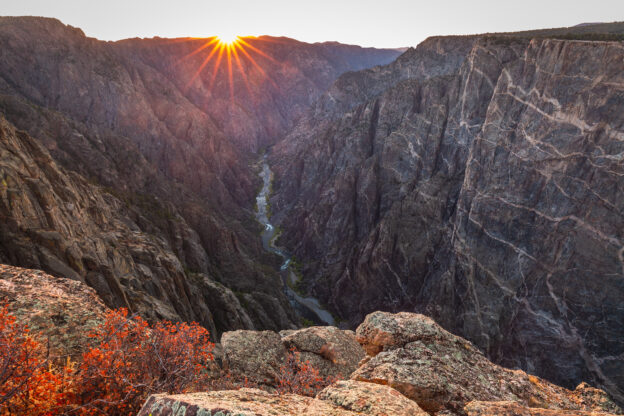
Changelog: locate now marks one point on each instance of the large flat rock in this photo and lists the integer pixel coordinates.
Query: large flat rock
(244, 402)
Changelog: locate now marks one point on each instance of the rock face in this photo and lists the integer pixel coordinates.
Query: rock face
(476, 180)
(441, 371)
(171, 231)
(57, 221)
(59, 312)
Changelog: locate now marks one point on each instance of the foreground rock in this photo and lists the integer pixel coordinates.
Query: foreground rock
(258, 355)
(59, 312)
(243, 402)
(369, 399)
(332, 351)
(441, 371)
(515, 409)
(361, 399)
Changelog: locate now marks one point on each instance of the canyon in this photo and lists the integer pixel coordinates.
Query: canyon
(476, 180)
(135, 175)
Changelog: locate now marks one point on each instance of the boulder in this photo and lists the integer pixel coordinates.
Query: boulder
(369, 399)
(383, 331)
(256, 355)
(332, 351)
(441, 371)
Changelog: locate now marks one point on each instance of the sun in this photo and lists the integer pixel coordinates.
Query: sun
(236, 55)
(227, 38)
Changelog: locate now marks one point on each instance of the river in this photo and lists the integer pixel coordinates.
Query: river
(308, 307)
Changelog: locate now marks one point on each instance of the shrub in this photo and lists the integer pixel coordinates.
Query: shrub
(130, 361)
(133, 361)
(28, 385)
(300, 377)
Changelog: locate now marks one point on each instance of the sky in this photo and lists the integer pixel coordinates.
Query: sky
(380, 23)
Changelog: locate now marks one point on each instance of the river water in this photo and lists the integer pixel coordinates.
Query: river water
(308, 307)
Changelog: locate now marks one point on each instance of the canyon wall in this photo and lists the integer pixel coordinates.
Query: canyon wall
(477, 180)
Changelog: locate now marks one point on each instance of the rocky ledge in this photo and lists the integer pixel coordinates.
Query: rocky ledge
(393, 364)
(410, 366)
(342, 399)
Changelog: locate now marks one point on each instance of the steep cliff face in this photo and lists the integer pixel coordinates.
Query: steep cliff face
(484, 190)
(173, 146)
(55, 220)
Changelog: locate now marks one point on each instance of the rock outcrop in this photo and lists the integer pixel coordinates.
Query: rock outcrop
(256, 355)
(443, 372)
(332, 351)
(414, 367)
(476, 180)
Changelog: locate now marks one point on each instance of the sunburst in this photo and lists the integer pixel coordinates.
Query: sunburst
(230, 49)
(227, 39)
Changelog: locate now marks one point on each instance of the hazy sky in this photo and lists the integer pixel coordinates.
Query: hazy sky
(386, 23)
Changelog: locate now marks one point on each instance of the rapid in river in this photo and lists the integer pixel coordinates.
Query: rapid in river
(308, 307)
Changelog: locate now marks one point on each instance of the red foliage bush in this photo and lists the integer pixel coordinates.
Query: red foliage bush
(133, 361)
(130, 361)
(28, 386)
(300, 377)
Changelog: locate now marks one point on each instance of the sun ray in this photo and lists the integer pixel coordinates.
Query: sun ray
(235, 46)
(201, 48)
(237, 53)
(228, 49)
(257, 66)
(216, 67)
(253, 48)
(201, 67)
